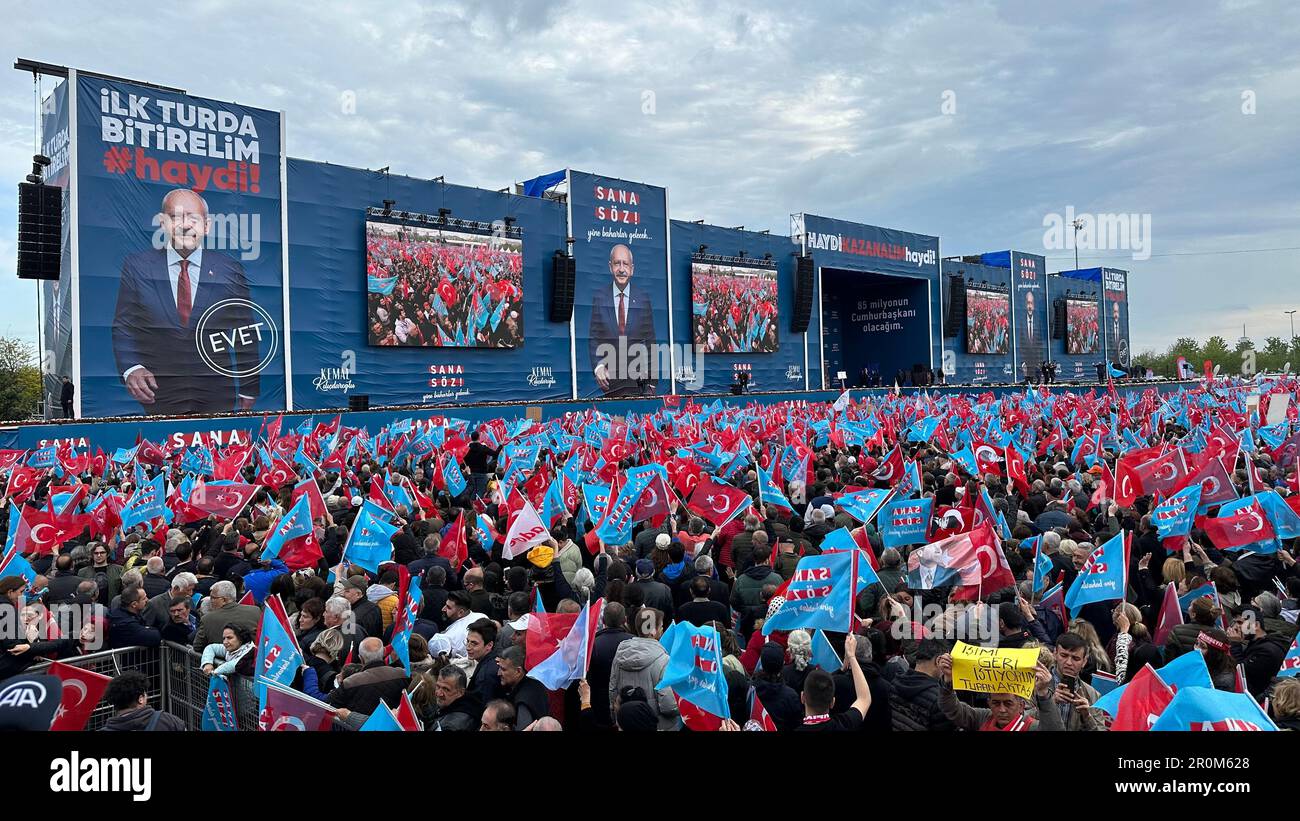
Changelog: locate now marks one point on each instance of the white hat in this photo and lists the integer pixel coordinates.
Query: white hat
(520, 623)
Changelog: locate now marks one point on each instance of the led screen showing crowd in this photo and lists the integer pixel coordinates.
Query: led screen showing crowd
(428, 287)
(733, 308)
(988, 321)
(1081, 326)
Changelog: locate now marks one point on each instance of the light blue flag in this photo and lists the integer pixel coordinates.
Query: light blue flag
(370, 542)
(380, 285)
(1198, 709)
(1104, 576)
(863, 504)
(1174, 517)
(694, 669)
(820, 594)
(905, 521)
(382, 720)
(823, 654)
(219, 710)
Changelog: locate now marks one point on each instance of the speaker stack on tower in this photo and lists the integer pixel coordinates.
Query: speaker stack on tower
(40, 225)
(1058, 319)
(358, 402)
(564, 274)
(956, 306)
(803, 294)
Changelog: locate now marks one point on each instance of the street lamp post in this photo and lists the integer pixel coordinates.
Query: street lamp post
(1291, 313)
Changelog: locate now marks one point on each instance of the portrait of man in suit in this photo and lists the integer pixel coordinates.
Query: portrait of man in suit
(1115, 320)
(1029, 314)
(622, 333)
(162, 296)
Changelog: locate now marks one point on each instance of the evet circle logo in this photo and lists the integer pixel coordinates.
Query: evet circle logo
(1123, 352)
(236, 338)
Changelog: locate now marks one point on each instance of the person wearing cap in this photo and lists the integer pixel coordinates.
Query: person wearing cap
(458, 616)
(365, 613)
(657, 594)
(1258, 652)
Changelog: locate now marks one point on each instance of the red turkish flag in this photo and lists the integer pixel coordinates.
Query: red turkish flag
(1143, 700)
(717, 502)
(653, 502)
(1171, 615)
(225, 501)
(1242, 527)
(47, 531)
(82, 691)
(454, 547)
(891, 468)
(1016, 469)
(983, 564)
(22, 483)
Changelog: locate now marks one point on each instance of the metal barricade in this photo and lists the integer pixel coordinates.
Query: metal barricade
(146, 660)
(176, 683)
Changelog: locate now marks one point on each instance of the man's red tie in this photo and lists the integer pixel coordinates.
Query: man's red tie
(183, 299)
(622, 315)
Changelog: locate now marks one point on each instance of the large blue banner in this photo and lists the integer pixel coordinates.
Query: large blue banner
(56, 359)
(850, 246)
(1115, 315)
(1029, 304)
(333, 358)
(620, 305)
(180, 276)
(777, 371)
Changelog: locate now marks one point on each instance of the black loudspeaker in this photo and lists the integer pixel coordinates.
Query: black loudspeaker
(1058, 319)
(952, 321)
(803, 294)
(358, 402)
(564, 271)
(40, 224)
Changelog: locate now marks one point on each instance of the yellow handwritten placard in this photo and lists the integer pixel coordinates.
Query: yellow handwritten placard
(994, 670)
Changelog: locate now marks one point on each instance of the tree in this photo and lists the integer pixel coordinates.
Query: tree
(1217, 351)
(20, 379)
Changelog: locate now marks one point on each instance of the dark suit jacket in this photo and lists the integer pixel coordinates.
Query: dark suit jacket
(147, 331)
(604, 322)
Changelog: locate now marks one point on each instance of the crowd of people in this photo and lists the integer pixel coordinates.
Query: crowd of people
(734, 312)
(443, 289)
(486, 621)
(988, 322)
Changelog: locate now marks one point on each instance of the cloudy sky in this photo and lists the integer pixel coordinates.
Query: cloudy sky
(971, 121)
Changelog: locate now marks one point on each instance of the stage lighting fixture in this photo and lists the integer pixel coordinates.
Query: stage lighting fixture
(443, 213)
(383, 170)
(737, 228)
(41, 160)
(388, 206)
(440, 178)
(767, 257)
(702, 249)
